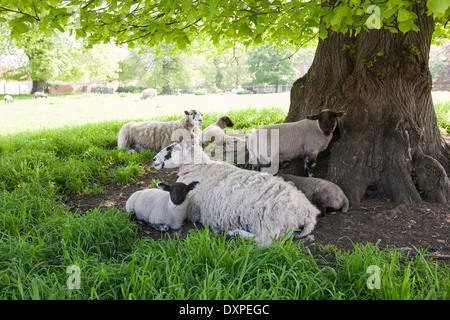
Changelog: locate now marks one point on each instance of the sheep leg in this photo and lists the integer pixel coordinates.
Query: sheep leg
(242, 233)
(136, 147)
(160, 227)
(310, 163)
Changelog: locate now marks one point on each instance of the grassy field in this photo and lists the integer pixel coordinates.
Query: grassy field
(41, 240)
(27, 113)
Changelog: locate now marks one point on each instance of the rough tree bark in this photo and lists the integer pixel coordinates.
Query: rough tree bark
(389, 141)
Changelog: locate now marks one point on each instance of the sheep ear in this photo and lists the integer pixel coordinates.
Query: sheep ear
(163, 186)
(186, 112)
(193, 185)
(313, 117)
(285, 164)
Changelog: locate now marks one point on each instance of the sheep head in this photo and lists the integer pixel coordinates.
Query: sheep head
(195, 117)
(327, 120)
(178, 191)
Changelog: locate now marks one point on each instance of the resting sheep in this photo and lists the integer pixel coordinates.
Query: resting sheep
(324, 194)
(214, 132)
(306, 137)
(239, 201)
(154, 135)
(8, 98)
(40, 94)
(148, 93)
(163, 208)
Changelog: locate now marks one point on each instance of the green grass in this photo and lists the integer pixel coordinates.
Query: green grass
(40, 237)
(443, 115)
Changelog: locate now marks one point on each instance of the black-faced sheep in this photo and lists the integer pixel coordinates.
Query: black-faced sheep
(163, 208)
(148, 93)
(279, 142)
(325, 195)
(154, 135)
(237, 200)
(40, 95)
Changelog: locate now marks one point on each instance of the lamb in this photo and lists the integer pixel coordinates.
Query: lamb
(8, 98)
(154, 135)
(161, 209)
(40, 94)
(325, 195)
(306, 137)
(239, 201)
(148, 93)
(214, 132)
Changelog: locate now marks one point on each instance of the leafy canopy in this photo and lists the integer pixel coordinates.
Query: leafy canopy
(220, 22)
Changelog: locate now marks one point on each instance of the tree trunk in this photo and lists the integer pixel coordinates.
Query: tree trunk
(389, 140)
(39, 86)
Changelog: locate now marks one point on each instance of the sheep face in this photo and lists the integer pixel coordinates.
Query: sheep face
(327, 120)
(226, 122)
(171, 156)
(178, 191)
(195, 117)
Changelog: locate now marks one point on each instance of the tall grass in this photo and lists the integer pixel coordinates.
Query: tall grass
(40, 237)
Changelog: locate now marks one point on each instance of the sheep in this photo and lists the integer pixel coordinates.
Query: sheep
(154, 135)
(148, 93)
(8, 98)
(306, 137)
(325, 195)
(40, 94)
(214, 132)
(239, 201)
(161, 209)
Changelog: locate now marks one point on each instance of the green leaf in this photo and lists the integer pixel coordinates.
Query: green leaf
(438, 7)
(405, 26)
(323, 33)
(403, 15)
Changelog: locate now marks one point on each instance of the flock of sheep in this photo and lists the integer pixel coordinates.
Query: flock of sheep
(246, 201)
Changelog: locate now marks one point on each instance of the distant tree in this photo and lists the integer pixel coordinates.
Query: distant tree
(60, 58)
(231, 68)
(270, 65)
(136, 65)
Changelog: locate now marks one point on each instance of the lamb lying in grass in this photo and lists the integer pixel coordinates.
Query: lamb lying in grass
(325, 195)
(154, 135)
(163, 208)
(239, 201)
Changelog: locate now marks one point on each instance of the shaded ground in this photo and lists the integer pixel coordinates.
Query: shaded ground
(377, 220)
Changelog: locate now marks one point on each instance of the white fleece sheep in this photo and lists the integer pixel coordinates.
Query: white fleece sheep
(40, 94)
(322, 193)
(148, 93)
(285, 141)
(154, 135)
(163, 208)
(238, 201)
(8, 98)
(214, 132)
